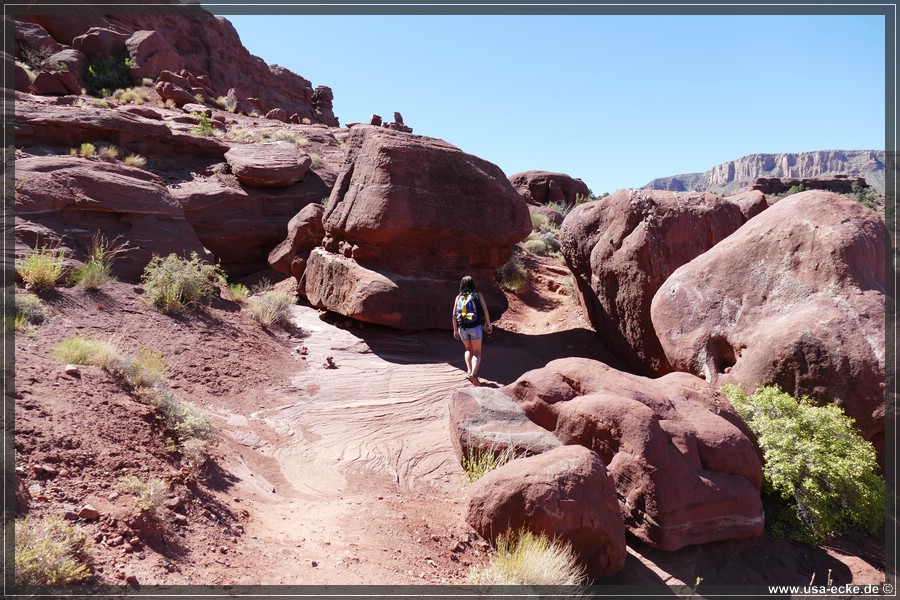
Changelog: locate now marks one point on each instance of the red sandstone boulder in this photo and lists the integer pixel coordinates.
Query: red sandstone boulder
(71, 198)
(485, 419)
(751, 202)
(152, 54)
(685, 470)
(411, 215)
(623, 247)
(241, 225)
(177, 94)
(48, 84)
(275, 164)
(544, 187)
(564, 493)
(277, 114)
(305, 232)
(794, 298)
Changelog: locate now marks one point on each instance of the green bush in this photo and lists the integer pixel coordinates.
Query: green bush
(537, 246)
(820, 475)
(238, 291)
(107, 74)
(526, 558)
(204, 126)
(49, 551)
(538, 221)
(144, 370)
(272, 308)
(512, 276)
(149, 495)
(42, 268)
(172, 283)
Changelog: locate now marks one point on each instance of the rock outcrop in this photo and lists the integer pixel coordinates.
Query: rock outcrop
(564, 494)
(684, 468)
(274, 164)
(544, 187)
(305, 232)
(623, 247)
(185, 39)
(408, 217)
(65, 200)
(743, 172)
(794, 298)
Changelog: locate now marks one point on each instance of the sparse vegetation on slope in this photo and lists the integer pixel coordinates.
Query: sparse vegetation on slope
(49, 551)
(41, 268)
(172, 283)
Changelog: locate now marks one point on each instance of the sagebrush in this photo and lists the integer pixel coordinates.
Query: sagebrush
(272, 308)
(49, 551)
(820, 476)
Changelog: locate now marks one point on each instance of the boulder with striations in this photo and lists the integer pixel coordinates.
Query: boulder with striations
(545, 187)
(564, 494)
(794, 298)
(305, 232)
(623, 247)
(407, 218)
(685, 469)
(274, 164)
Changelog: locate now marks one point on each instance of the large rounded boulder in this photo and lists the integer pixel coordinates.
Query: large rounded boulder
(623, 247)
(407, 218)
(794, 298)
(564, 494)
(684, 466)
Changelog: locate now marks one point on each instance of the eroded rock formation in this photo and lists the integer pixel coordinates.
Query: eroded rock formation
(623, 247)
(408, 217)
(795, 298)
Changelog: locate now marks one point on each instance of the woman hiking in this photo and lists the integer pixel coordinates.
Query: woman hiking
(470, 319)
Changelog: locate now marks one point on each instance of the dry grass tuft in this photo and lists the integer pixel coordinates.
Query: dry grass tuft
(525, 558)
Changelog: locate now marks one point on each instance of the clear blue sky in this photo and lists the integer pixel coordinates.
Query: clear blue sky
(614, 100)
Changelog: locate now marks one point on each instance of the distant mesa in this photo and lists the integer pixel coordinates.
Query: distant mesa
(838, 168)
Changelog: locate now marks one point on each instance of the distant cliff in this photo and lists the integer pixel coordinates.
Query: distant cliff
(736, 174)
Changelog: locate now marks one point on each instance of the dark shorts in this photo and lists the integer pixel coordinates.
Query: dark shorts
(470, 333)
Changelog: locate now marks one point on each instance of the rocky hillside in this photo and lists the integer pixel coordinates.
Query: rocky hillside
(743, 172)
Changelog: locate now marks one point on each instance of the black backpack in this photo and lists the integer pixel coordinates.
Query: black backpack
(468, 310)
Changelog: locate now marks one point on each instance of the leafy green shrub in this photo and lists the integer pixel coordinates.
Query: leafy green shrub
(49, 551)
(29, 311)
(820, 475)
(479, 461)
(526, 558)
(172, 283)
(204, 126)
(41, 268)
(512, 276)
(84, 351)
(107, 74)
(272, 308)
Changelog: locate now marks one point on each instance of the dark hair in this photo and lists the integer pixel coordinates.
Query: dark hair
(466, 285)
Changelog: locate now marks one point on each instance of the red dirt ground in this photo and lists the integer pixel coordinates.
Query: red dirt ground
(319, 475)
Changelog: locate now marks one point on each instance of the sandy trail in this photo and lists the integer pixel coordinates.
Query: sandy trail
(337, 468)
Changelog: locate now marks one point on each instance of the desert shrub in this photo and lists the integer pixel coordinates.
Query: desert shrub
(135, 160)
(305, 121)
(97, 270)
(171, 283)
(145, 369)
(536, 246)
(820, 475)
(42, 267)
(191, 427)
(87, 150)
(148, 495)
(272, 308)
(479, 461)
(49, 551)
(562, 208)
(512, 276)
(526, 558)
(29, 311)
(109, 152)
(204, 126)
(221, 102)
(238, 291)
(108, 73)
(316, 160)
(147, 81)
(538, 220)
(85, 351)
